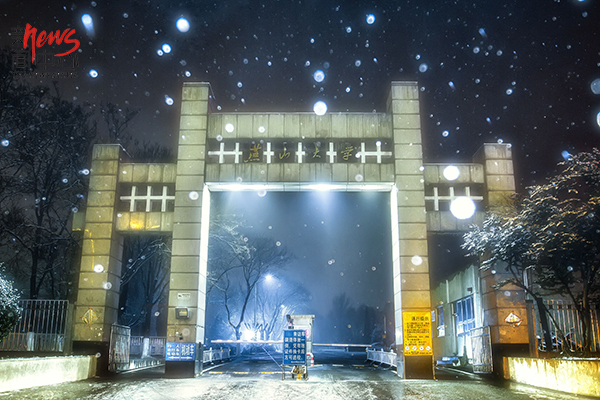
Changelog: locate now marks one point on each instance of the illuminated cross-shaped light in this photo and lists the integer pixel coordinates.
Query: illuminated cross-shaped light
(148, 198)
(300, 153)
(269, 153)
(437, 198)
(331, 153)
(377, 153)
(222, 153)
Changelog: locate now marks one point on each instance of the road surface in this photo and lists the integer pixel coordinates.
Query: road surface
(336, 375)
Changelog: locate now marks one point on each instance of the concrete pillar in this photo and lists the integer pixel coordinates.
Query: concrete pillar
(98, 292)
(410, 254)
(499, 174)
(188, 273)
(497, 304)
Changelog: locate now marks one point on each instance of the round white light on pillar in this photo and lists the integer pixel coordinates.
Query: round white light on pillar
(451, 172)
(416, 260)
(462, 207)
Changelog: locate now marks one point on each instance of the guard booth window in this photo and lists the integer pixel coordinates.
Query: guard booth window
(465, 315)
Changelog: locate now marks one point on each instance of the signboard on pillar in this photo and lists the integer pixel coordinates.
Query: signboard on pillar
(417, 333)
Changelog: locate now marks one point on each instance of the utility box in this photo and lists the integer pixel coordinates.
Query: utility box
(305, 322)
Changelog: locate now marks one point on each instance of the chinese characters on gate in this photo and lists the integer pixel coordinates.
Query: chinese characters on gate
(309, 151)
(176, 351)
(294, 347)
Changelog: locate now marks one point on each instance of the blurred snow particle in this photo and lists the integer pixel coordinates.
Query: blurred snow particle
(229, 127)
(416, 260)
(482, 32)
(160, 52)
(125, 15)
(598, 118)
(98, 268)
(5, 142)
(500, 141)
(188, 74)
(423, 67)
(239, 84)
(370, 19)
(566, 155)
(476, 49)
(348, 89)
(88, 23)
(278, 243)
(509, 91)
(168, 100)
(193, 195)
(319, 76)
(183, 25)
(106, 285)
(320, 108)
(93, 73)
(348, 29)
(359, 178)
(451, 84)
(357, 63)
(445, 133)
(595, 86)
(166, 47)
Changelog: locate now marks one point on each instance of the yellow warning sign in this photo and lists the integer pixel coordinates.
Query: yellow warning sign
(417, 333)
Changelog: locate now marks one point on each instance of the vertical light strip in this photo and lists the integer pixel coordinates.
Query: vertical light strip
(396, 264)
(202, 268)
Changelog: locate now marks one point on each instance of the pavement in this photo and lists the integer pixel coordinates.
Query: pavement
(341, 376)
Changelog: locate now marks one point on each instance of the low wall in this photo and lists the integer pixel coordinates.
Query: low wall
(572, 376)
(29, 372)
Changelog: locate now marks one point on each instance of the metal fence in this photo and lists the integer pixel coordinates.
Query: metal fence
(43, 327)
(147, 346)
(118, 358)
(134, 352)
(482, 350)
(382, 357)
(212, 355)
(567, 318)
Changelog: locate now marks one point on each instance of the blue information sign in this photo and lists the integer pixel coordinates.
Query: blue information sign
(180, 351)
(294, 347)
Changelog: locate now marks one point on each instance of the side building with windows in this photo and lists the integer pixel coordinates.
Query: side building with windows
(457, 312)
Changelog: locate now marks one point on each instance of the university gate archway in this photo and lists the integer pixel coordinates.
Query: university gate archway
(269, 151)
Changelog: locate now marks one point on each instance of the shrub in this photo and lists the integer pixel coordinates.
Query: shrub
(10, 313)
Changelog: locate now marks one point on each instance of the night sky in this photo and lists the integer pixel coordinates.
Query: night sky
(515, 71)
(520, 72)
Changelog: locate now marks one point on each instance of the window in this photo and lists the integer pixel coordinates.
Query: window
(465, 315)
(441, 327)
